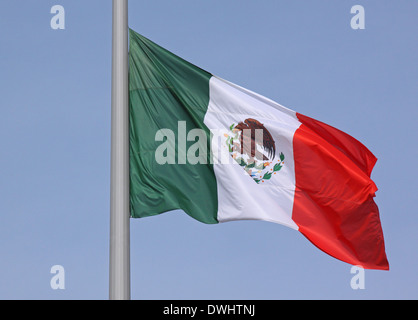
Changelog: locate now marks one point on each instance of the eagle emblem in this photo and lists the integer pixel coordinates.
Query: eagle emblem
(253, 147)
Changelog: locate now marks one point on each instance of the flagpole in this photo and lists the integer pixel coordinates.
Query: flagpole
(119, 255)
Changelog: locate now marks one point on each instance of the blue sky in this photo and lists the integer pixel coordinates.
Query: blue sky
(55, 145)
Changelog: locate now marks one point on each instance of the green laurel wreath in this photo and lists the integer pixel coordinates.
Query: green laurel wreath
(276, 168)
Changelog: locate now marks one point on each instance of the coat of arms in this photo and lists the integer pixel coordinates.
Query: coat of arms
(252, 146)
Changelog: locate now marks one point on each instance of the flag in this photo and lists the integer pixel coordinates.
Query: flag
(220, 153)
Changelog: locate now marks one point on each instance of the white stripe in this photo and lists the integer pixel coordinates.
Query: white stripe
(239, 196)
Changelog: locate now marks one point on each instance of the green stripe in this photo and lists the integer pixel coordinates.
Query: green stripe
(163, 90)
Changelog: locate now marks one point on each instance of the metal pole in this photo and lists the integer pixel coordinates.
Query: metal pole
(119, 266)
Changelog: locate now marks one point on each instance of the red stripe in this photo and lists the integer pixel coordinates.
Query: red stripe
(333, 205)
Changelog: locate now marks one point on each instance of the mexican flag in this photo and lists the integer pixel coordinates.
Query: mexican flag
(221, 153)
